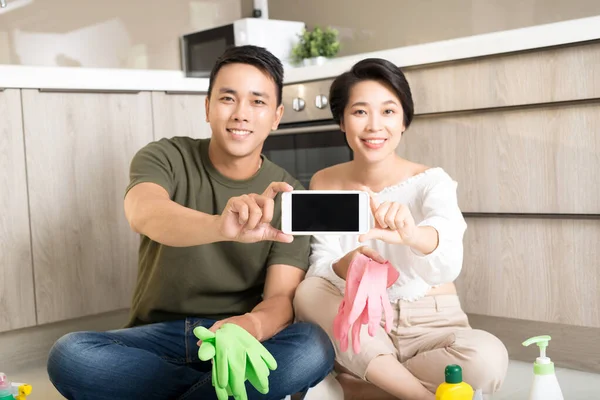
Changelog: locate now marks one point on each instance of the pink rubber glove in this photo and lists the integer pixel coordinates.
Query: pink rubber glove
(364, 298)
(341, 323)
(372, 295)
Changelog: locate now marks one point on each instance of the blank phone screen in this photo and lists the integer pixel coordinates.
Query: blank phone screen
(325, 212)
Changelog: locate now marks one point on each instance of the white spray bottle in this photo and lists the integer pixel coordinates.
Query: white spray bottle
(545, 385)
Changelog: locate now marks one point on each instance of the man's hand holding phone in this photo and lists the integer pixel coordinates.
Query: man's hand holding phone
(247, 218)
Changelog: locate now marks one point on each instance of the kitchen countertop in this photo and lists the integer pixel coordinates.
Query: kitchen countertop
(98, 79)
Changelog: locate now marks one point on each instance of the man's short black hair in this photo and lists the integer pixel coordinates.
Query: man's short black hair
(371, 69)
(258, 57)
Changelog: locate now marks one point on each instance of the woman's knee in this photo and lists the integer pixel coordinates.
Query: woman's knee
(485, 361)
(315, 296)
(300, 298)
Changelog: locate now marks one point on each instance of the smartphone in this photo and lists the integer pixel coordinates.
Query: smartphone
(321, 212)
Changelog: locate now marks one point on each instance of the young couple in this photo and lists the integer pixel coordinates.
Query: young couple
(212, 252)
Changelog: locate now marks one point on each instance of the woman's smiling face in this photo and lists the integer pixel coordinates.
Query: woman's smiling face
(373, 121)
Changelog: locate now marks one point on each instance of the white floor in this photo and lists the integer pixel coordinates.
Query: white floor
(576, 385)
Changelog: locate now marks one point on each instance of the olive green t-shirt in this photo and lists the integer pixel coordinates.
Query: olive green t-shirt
(215, 280)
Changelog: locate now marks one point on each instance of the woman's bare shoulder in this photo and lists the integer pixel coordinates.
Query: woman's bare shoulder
(417, 168)
(331, 178)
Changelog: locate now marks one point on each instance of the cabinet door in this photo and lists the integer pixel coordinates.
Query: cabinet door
(79, 146)
(17, 303)
(179, 115)
(532, 269)
(536, 160)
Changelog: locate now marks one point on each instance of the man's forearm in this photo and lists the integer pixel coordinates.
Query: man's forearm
(172, 224)
(273, 315)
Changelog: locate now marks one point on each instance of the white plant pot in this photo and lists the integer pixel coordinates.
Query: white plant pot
(314, 61)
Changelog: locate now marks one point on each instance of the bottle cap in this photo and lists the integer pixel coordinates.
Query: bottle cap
(4, 382)
(453, 373)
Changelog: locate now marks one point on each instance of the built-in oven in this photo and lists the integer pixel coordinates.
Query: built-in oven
(308, 139)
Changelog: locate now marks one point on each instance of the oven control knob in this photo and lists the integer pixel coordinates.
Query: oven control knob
(298, 104)
(321, 101)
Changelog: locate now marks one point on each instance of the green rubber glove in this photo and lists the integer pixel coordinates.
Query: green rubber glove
(237, 356)
(207, 352)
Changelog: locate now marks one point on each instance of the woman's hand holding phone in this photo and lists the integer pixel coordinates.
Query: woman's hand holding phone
(394, 223)
(341, 267)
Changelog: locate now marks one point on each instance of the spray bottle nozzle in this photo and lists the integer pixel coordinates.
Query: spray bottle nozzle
(541, 341)
(542, 365)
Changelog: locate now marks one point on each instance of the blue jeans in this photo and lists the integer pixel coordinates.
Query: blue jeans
(160, 361)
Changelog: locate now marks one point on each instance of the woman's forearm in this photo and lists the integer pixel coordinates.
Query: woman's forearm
(426, 240)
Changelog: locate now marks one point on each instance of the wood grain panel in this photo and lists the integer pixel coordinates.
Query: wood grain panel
(533, 269)
(541, 76)
(573, 347)
(539, 160)
(179, 115)
(79, 149)
(17, 302)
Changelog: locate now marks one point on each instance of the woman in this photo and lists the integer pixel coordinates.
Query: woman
(418, 228)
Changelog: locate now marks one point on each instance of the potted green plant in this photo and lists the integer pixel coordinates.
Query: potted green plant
(315, 46)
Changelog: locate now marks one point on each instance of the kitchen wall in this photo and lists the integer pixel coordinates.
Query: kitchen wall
(383, 24)
(144, 34)
(105, 34)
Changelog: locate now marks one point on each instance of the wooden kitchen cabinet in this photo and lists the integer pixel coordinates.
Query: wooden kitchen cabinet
(532, 269)
(17, 302)
(79, 147)
(177, 114)
(532, 160)
(541, 76)
(519, 133)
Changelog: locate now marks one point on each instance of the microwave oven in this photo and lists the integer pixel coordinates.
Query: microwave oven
(200, 50)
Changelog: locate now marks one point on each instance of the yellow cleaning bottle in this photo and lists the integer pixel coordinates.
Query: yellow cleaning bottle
(454, 388)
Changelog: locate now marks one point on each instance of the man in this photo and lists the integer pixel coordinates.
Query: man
(210, 253)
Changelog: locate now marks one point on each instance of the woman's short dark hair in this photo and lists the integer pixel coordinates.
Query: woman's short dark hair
(258, 57)
(371, 69)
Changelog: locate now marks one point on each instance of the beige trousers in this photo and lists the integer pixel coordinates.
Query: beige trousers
(427, 335)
